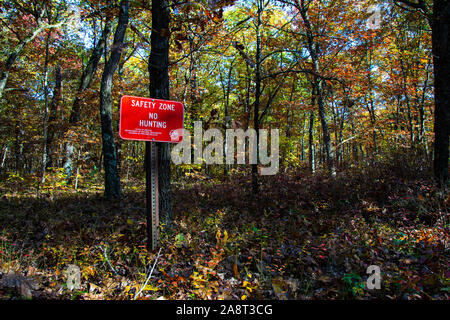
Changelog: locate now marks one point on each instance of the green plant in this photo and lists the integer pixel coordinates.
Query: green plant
(354, 283)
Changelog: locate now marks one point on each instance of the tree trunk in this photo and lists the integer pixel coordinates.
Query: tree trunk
(408, 102)
(159, 89)
(45, 122)
(370, 103)
(90, 70)
(441, 58)
(422, 108)
(326, 134)
(85, 82)
(226, 114)
(5, 153)
(52, 126)
(17, 146)
(312, 49)
(311, 156)
(255, 185)
(112, 179)
(15, 53)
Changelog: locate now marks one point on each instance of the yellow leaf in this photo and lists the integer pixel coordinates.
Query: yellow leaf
(88, 271)
(149, 287)
(225, 237)
(218, 235)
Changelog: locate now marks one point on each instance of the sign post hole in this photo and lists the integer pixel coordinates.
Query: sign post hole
(152, 121)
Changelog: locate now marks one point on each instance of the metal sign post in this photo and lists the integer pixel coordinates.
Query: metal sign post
(152, 203)
(153, 121)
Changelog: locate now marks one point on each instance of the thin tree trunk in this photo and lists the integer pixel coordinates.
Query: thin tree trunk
(4, 157)
(15, 53)
(302, 144)
(335, 111)
(370, 103)
(85, 82)
(56, 100)
(311, 155)
(17, 153)
(326, 134)
(408, 103)
(112, 179)
(311, 46)
(45, 121)
(227, 117)
(422, 106)
(312, 165)
(247, 97)
(288, 111)
(255, 185)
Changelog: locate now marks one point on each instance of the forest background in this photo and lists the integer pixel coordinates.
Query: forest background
(359, 91)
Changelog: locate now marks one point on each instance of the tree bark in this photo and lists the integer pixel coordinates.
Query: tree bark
(311, 156)
(370, 104)
(85, 82)
(112, 179)
(15, 53)
(227, 121)
(441, 58)
(56, 100)
(312, 49)
(158, 66)
(256, 105)
(90, 70)
(439, 21)
(45, 121)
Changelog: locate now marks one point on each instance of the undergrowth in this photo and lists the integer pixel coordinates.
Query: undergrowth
(302, 236)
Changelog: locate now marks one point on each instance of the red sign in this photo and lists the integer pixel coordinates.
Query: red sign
(151, 119)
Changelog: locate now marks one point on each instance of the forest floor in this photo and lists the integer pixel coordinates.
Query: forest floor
(303, 237)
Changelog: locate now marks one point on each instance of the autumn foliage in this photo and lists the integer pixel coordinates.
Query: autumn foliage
(351, 87)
